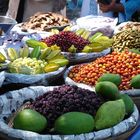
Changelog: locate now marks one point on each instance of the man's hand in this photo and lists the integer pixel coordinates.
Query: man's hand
(107, 8)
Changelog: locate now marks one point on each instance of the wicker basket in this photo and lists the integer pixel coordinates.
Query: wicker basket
(14, 99)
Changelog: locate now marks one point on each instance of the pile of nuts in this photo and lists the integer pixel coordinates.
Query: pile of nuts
(126, 64)
(131, 25)
(126, 39)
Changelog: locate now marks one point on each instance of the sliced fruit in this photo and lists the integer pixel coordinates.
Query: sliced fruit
(114, 78)
(30, 120)
(74, 123)
(12, 54)
(107, 90)
(51, 67)
(109, 114)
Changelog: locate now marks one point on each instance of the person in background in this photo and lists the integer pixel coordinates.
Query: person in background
(3, 6)
(125, 10)
(23, 9)
(73, 8)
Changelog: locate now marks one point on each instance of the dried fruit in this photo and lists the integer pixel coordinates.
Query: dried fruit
(66, 99)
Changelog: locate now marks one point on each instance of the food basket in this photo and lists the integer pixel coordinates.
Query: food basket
(14, 99)
(133, 93)
(76, 58)
(38, 79)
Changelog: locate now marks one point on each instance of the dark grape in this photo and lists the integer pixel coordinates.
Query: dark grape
(64, 99)
(65, 40)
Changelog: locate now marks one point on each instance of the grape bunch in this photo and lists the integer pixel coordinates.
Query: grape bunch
(66, 99)
(65, 40)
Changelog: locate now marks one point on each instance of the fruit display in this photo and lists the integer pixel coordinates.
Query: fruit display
(126, 39)
(125, 63)
(135, 82)
(129, 26)
(71, 110)
(66, 99)
(82, 123)
(107, 90)
(2, 58)
(30, 120)
(108, 109)
(44, 21)
(34, 62)
(27, 66)
(114, 78)
(79, 41)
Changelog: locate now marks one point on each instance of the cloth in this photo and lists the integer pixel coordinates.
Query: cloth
(13, 8)
(131, 6)
(90, 7)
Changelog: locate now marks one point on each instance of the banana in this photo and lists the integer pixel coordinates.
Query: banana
(24, 52)
(53, 54)
(35, 52)
(34, 43)
(12, 54)
(2, 58)
(80, 31)
(45, 53)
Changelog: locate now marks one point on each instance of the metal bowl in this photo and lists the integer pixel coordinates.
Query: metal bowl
(6, 23)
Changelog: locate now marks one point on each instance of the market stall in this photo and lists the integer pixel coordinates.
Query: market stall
(69, 78)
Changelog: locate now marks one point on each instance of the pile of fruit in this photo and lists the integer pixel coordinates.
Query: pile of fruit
(79, 41)
(35, 62)
(125, 63)
(73, 110)
(127, 39)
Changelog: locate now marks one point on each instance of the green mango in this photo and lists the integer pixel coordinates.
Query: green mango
(109, 114)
